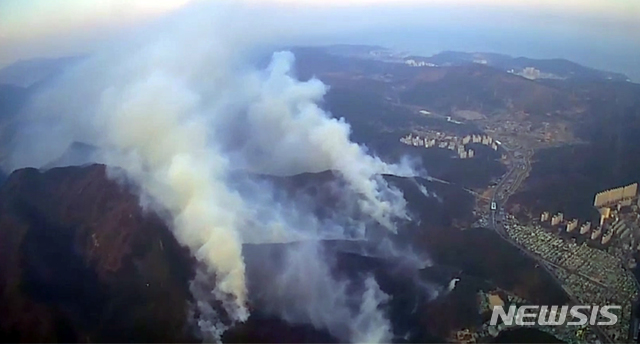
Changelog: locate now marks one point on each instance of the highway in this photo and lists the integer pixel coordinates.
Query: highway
(508, 185)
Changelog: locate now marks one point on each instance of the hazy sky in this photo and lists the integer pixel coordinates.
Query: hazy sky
(600, 33)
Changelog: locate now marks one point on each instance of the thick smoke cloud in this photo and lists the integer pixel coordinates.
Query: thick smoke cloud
(284, 132)
(185, 117)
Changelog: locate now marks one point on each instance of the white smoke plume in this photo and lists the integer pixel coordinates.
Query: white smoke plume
(302, 288)
(370, 325)
(204, 315)
(285, 132)
(181, 113)
(155, 134)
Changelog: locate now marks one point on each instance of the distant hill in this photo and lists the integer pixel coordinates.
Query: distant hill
(18, 83)
(348, 49)
(11, 99)
(485, 89)
(453, 58)
(77, 154)
(26, 73)
(527, 67)
(567, 178)
(532, 68)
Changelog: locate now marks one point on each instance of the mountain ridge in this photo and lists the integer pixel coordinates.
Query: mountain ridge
(81, 261)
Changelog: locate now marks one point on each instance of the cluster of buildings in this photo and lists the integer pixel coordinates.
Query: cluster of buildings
(528, 72)
(594, 268)
(451, 142)
(590, 274)
(533, 74)
(620, 197)
(614, 206)
(597, 277)
(414, 63)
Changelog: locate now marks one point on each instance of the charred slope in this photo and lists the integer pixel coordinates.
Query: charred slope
(80, 262)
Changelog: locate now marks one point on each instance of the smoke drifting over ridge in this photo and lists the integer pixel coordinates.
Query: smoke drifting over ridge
(304, 289)
(181, 114)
